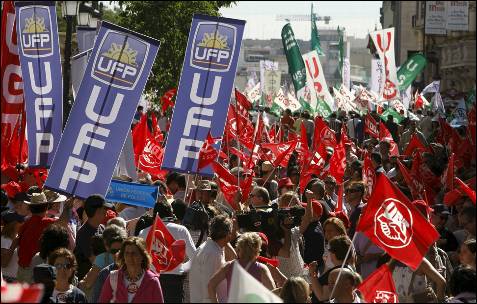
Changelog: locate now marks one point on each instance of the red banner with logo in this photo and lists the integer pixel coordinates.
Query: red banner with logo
(379, 287)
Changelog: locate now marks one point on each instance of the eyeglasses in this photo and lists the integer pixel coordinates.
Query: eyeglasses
(63, 266)
(114, 251)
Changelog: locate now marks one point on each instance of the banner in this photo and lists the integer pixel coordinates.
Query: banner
(322, 102)
(254, 94)
(346, 73)
(457, 17)
(39, 52)
(315, 36)
(296, 66)
(79, 63)
(125, 163)
(384, 42)
(132, 194)
(103, 111)
(377, 72)
(205, 87)
(12, 106)
(435, 18)
(410, 69)
(85, 36)
(286, 102)
(270, 77)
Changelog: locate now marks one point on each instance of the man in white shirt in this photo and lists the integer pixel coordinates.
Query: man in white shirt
(172, 282)
(209, 258)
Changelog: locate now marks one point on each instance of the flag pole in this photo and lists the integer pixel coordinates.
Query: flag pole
(342, 265)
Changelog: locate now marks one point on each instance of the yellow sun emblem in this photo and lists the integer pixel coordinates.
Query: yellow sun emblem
(128, 55)
(214, 40)
(34, 25)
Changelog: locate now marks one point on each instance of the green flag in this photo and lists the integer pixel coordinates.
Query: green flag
(390, 111)
(470, 98)
(322, 108)
(296, 65)
(410, 69)
(315, 37)
(341, 54)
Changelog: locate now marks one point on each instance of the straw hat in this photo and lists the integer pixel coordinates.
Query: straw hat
(54, 197)
(202, 185)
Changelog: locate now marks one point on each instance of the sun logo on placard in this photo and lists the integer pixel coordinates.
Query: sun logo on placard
(126, 55)
(214, 40)
(34, 25)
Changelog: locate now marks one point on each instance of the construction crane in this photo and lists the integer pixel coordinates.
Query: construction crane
(302, 18)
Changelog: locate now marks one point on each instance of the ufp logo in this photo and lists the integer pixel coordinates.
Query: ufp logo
(119, 60)
(213, 46)
(35, 27)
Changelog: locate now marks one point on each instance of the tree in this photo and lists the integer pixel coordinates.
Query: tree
(169, 22)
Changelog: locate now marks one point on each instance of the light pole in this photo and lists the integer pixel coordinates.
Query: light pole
(69, 10)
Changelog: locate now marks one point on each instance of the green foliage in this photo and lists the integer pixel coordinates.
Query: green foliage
(169, 22)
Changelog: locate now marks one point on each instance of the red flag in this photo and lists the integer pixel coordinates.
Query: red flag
(338, 163)
(140, 134)
(264, 260)
(449, 174)
(165, 251)
(384, 134)
(393, 223)
(207, 153)
(467, 190)
(369, 175)
(379, 287)
(21, 293)
(150, 159)
(166, 99)
(229, 191)
(323, 137)
(421, 174)
(280, 152)
(224, 174)
(13, 141)
(243, 104)
(339, 204)
(414, 185)
(419, 103)
(371, 126)
(239, 154)
(414, 144)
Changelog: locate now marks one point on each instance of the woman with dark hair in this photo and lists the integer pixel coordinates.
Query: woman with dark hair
(52, 238)
(134, 282)
(65, 264)
(467, 253)
(12, 222)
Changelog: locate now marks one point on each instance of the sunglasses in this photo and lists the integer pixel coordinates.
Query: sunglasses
(63, 266)
(114, 251)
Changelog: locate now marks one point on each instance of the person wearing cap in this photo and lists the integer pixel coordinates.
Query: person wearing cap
(95, 207)
(29, 235)
(12, 222)
(447, 240)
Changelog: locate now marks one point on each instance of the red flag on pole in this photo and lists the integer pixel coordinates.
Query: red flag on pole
(166, 99)
(379, 287)
(339, 204)
(467, 190)
(207, 153)
(394, 224)
(338, 162)
(150, 159)
(385, 135)
(371, 126)
(165, 251)
(229, 191)
(281, 152)
(140, 134)
(323, 137)
(449, 174)
(243, 104)
(414, 144)
(224, 174)
(413, 183)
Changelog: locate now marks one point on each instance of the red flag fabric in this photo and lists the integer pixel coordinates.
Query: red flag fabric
(229, 191)
(165, 251)
(448, 175)
(379, 287)
(338, 163)
(371, 126)
(243, 104)
(369, 175)
(414, 184)
(239, 154)
(166, 99)
(207, 153)
(419, 103)
(21, 293)
(281, 152)
(414, 144)
(467, 190)
(264, 260)
(12, 103)
(323, 137)
(140, 134)
(339, 204)
(224, 174)
(394, 224)
(384, 134)
(421, 174)
(150, 159)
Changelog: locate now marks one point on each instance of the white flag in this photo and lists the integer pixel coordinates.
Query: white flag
(246, 289)
(438, 104)
(125, 163)
(433, 87)
(254, 94)
(286, 102)
(460, 114)
(78, 66)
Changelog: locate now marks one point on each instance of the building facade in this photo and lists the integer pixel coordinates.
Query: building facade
(451, 56)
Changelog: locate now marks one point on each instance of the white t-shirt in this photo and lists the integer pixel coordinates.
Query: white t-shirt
(61, 296)
(294, 265)
(12, 267)
(134, 290)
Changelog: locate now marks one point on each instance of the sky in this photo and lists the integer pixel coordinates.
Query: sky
(358, 17)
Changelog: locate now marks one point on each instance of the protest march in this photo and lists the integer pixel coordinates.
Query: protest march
(132, 190)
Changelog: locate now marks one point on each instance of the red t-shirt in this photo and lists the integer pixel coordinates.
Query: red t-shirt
(29, 238)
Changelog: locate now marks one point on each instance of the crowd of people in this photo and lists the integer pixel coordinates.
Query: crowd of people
(94, 250)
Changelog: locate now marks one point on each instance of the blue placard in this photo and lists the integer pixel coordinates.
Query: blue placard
(132, 194)
(101, 117)
(204, 92)
(39, 53)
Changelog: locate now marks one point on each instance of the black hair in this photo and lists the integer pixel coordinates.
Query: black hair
(171, 177)
(52, 238)
(220, 227)
(144, 221)
(4, 198)
(38, 208)
(376, 157)
(161, 185)
(469, 213)
(462, 280)
(179, 208)
(162, 208)
(181, 181)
